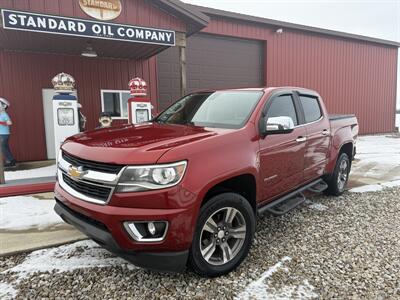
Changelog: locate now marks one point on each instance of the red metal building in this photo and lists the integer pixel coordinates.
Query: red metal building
(354, 74)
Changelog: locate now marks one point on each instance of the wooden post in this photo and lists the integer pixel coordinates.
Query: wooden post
(2, 178)
(181, 43)
(182, 59)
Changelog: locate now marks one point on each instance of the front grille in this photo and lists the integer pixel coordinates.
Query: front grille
(89, 190)
(91, 165)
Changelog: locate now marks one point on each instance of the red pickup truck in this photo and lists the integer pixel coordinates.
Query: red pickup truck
(185, 188)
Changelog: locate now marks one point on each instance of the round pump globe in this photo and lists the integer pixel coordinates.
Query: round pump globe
(164, 175)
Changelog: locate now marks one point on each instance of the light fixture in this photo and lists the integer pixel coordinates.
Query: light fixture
(89, 52)
(279, 31)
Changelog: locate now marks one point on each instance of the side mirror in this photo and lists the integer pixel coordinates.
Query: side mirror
(278, 125)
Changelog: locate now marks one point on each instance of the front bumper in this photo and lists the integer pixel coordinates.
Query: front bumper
(161, 261)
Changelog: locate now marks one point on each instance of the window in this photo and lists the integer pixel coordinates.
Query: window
(311, 108)
(115, 103)
(65, 116)
(225, 109)
(283, 106)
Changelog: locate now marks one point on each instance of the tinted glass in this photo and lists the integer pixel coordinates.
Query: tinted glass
(125, 97)
(283, 106)
(312, 111)
(112, 104)
(225, 109)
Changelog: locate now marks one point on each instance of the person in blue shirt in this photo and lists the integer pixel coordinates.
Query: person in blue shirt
(5, 123)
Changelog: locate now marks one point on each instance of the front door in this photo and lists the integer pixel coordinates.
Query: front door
(48, 95)
(282, 155)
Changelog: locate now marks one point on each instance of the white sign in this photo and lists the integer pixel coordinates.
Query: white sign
(25, 21)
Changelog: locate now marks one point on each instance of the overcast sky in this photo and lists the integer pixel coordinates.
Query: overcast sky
(378, 18)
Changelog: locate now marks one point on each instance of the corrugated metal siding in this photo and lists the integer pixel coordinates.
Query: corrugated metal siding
(237, 28)
(137, 12)
(352, 76)
(24, 75)
(210, 65)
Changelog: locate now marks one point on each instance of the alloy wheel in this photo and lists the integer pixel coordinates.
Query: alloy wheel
(342, 175)
(223, 236)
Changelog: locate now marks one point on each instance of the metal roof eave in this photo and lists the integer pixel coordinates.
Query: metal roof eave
(270, 22)
(195, 19)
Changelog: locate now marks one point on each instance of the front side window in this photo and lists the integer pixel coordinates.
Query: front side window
(283, 106)
(115, 103)
(222, 109)
(311, 108)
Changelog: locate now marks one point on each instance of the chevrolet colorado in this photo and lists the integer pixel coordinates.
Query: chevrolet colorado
(185, 188)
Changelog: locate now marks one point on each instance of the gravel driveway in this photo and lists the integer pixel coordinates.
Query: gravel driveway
(345, 247)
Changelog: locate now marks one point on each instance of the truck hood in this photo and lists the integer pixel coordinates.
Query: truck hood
(133, 144)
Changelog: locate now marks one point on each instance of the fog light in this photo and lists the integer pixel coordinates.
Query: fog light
(151, 228)
(152, 231)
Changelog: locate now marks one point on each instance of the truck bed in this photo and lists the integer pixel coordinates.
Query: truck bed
(340, 122)
(334, 117)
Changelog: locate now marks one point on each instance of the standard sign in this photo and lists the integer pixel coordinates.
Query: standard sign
(102, 9)
(18, 20)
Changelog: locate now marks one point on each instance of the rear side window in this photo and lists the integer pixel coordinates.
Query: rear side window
(283, 106)
(312, 110)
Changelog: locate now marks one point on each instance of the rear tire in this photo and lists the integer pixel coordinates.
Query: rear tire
(223, 236)
(338, 180)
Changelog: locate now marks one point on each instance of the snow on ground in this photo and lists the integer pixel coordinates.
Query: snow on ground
(24, 212)
(367, 188)
(375, 187)
(260, 290)
(377, 158)
(79, 255)
(391, 183)
(33, 173)
(316, 206)
(7, 291)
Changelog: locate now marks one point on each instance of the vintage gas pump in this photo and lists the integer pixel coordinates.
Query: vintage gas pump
(65, 109)
(139, 106)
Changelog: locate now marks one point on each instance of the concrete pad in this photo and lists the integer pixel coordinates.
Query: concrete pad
(33, 165)
(377, 160)
(29, 181)
(12, 242)
(18, 241)
(44, 196)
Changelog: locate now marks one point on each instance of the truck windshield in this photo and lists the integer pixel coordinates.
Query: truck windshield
(223, 109)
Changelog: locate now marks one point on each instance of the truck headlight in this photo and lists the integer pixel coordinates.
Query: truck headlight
(144, 178)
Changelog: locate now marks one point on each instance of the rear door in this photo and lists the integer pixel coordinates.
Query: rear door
(318, 136)
(282, 155)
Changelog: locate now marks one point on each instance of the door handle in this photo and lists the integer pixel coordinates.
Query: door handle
(325, 132)
(301, 139)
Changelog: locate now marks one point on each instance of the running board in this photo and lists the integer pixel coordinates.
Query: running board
(286, 203)
(319, 187)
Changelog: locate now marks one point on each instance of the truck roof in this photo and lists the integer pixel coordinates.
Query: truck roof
(265, 89)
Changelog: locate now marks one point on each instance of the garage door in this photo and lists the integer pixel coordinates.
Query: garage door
(213, 62)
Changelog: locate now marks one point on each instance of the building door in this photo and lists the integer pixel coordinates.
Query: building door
(48, 95)
(213, 62)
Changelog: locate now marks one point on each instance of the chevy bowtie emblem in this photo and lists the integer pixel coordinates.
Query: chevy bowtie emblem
(76, 172)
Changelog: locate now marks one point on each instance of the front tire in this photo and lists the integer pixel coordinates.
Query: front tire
(338, 180)
(223, 236)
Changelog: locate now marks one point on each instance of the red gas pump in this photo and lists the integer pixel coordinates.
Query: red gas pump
(139, 106)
